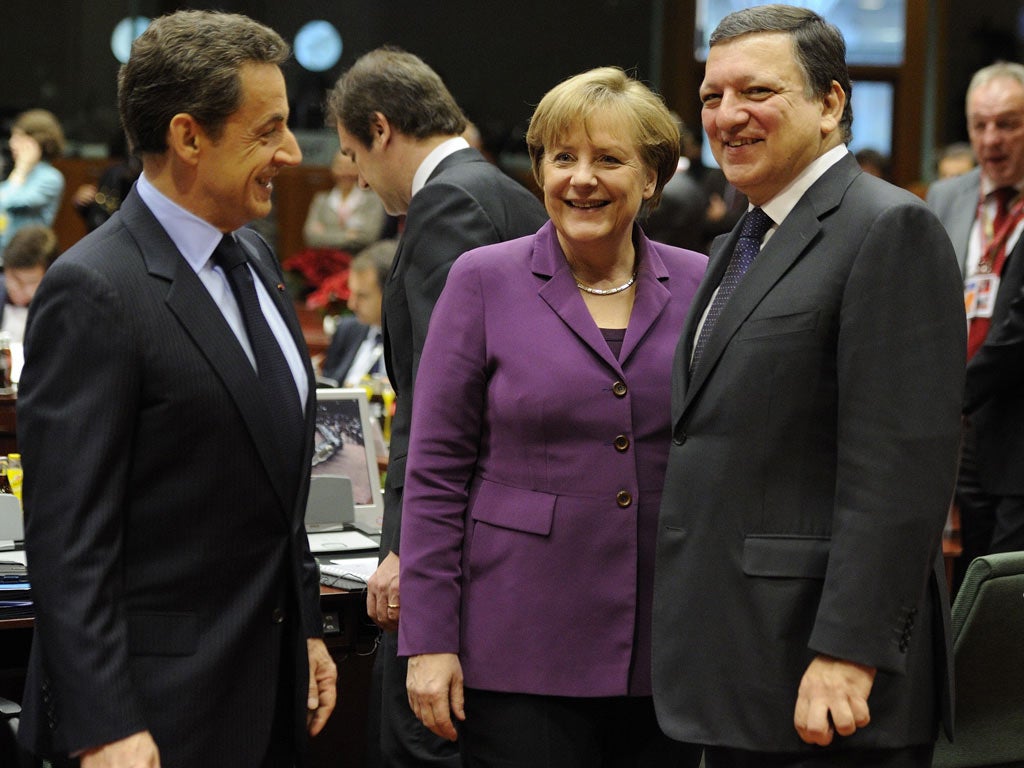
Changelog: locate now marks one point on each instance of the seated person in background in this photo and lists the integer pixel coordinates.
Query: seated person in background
(27, 257)
(357, 346)
(31, 193)
(345, 217)
(955, 159)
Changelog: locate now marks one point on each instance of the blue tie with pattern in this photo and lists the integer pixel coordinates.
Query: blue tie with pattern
(755, 224)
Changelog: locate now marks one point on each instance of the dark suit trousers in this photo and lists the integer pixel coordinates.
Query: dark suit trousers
(513, 730)
(907, 757)
(988, 523)
(404, 741)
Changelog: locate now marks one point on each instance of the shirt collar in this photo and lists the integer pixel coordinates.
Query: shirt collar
(780, 206)
(987, 187)
(194, 237)
(432, 160)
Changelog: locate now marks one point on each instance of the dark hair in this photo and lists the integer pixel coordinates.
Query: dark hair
(377, 257)
(43, 126)
(31, 246)
(401, 87)
(189, 62)
(818, 47)
(655, 133)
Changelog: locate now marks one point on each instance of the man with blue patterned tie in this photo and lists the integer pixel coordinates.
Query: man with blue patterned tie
(799, 589)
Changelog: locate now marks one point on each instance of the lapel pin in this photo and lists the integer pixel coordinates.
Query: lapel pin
(280, 287)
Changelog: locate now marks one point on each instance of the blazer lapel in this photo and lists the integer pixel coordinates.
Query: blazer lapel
(651, 297)
(190, 302)
(561, 294)
(785, 247)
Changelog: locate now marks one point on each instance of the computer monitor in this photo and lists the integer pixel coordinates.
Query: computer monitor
(343, 445)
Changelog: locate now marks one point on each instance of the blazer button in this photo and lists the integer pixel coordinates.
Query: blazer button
(621, 443)
(679, 438)
(623, 498)
(619, 389)
(277, 616)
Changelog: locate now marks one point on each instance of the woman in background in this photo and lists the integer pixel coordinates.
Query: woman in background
(31, 193)
(539, 442)
(345, 217)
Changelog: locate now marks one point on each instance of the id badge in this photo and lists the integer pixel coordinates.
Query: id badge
(980, 295)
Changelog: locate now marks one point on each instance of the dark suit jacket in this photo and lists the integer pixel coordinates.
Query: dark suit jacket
(345, 343)
(467, 202)
(813, 459)
(170, 567)
(994, 394)
(679, 218)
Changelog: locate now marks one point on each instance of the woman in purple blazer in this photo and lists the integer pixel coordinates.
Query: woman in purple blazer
(539, 443)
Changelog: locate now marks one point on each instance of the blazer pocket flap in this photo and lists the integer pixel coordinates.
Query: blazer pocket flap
(519, 509)
(799, 557)
(778, 325)
(163, 634)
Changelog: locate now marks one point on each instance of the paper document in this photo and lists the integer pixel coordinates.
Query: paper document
(342, 541)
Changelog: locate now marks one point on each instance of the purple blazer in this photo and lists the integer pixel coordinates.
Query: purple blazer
(535, 472)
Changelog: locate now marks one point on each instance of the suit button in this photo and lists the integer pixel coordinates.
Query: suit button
(277, 616)
(679, 438)
(621, 443)
(623, 498)
(619, 389)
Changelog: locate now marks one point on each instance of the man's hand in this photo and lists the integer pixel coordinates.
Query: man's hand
(833, 698)
(382, 594)
(323, 685)
(434, 683)
(136, 751)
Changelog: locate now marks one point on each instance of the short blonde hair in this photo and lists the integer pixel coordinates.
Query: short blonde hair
(573, 101)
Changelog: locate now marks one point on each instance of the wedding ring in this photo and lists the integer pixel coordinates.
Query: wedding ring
(392, 606)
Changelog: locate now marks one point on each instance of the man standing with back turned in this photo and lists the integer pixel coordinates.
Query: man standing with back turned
(166, 420)
(401, 126)
(800, 597)
(984, 214)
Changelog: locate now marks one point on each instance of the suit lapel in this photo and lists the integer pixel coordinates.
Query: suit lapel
(651, 297)
(190, 302)
(786, 246)
(562, 295)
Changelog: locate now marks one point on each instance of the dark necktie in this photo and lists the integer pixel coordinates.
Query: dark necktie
(1002, 196)
(378, 362)
(275, 377)
(755, 224)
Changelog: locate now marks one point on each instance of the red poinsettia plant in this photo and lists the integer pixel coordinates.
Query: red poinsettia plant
(322, 274)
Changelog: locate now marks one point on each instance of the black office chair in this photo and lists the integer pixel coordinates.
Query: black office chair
(988, 627)
(10, 753)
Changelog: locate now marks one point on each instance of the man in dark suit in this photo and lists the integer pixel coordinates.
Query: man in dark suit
(402, 127)
(177, 618)
(679, 218)
(800, 599)
(357, 346)
(984, 215)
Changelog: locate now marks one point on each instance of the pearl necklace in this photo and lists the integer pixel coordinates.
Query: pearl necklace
(605, 291)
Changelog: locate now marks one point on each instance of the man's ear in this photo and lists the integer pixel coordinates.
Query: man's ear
(832, 108)
(185, 137)
(380, 130)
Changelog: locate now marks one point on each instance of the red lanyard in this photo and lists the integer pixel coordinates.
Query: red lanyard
(993, 244)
